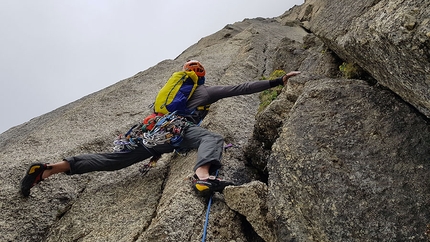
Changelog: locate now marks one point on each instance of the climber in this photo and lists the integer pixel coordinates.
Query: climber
(209, 145)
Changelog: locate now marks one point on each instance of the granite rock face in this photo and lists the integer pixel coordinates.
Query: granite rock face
(331, 159)
(389, 39)
(351, 164)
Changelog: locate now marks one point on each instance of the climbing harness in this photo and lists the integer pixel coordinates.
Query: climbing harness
(154, 130)
(169, 129)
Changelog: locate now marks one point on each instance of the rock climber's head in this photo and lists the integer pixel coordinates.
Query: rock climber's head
(197, 67)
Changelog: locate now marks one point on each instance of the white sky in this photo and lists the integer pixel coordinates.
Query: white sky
(55, 52)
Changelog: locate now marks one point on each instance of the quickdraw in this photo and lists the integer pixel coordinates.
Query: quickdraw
(151, 164)
(129, 141)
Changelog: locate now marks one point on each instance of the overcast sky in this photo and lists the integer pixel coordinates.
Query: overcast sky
(55, 52)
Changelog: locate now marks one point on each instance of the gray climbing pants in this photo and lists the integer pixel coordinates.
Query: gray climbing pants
(209, 150)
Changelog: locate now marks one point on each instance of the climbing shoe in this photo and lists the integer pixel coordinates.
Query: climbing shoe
(209, 185)
(32, 177)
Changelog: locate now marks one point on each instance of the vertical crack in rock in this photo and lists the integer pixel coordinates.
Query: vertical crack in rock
(154, 214)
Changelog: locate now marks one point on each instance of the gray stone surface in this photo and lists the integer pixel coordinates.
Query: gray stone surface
(351, 164)
(389, 39)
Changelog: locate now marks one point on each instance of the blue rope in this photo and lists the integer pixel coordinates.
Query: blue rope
(207, 214)
(207, 219)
